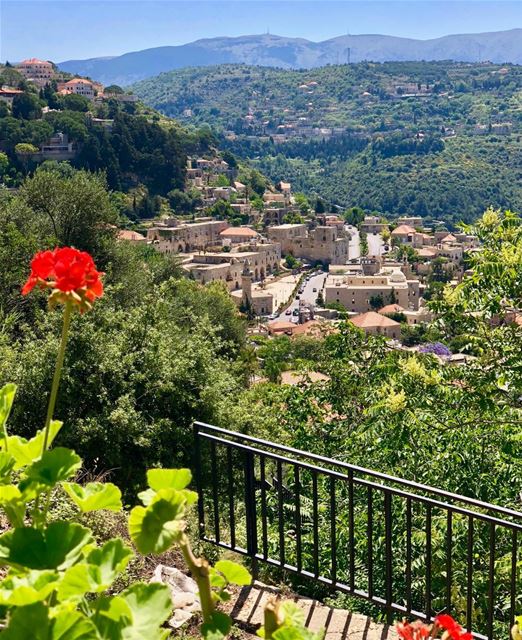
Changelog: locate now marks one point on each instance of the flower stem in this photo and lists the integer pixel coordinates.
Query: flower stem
(57, 372)
(199, 568)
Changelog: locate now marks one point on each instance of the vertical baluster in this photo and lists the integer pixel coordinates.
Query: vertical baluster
(469, 599)
(388, 555)
(299, 564)
(231, 508)
(514, 591)
(333, 532)
(351, 527)
(215, 498)
(491, 579)
(315, 509)
(281, 522)
(263, 507)
(428, 562)
(449, 551)
(370, 541)
(408, 554)
(251, 508)
(199, 480)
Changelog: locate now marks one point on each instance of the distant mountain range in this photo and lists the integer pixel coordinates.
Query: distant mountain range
(295, 53)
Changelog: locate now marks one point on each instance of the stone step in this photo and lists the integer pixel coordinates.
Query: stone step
(247, 606)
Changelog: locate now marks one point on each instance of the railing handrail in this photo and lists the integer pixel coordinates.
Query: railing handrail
(362, 470)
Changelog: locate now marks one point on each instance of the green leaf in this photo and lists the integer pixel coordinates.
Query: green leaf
(150, 606)
(94, 496)
(291, 613)
(30, 587)
(112, 615)
(101, 568)
(168, 478)
(154, 528)
(27, 451)
(53, 467)
(218, 627)
(295, 633)
(13, 503)
(111, 559)
(36, 622)
(78, 580)
(233, 572)
(58, 547)
(7, 394)
(7, 463)
(216, 579)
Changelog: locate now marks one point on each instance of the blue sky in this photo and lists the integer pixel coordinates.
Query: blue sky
(62, 29)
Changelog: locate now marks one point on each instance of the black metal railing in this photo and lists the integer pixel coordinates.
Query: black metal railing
(416, 551)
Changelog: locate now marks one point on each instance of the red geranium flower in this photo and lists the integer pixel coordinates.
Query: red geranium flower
(69, 273)
(413, 630)
(452, 628)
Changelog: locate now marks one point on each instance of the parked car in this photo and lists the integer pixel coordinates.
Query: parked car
(287, 312)
(298, 297)
(295, 312)
(314, 289)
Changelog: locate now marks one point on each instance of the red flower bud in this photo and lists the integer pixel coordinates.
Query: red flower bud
(69, 273)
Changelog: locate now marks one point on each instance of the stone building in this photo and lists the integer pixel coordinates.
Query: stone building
(255, 301)
(40, 72)
(187, 237)
(322, 244)
(373, 323)
(227, 267)
(79, 87)
(285, 234)
(360, 293)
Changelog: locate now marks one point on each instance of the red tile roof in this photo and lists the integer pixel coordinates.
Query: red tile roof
(239, 231)
(392, 308)
(373, 319)
(403, 229)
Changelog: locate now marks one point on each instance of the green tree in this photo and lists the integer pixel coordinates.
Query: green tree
(74, 102)
(26, 106)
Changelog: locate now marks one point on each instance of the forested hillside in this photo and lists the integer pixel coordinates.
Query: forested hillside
(433, 139)
(124, 140)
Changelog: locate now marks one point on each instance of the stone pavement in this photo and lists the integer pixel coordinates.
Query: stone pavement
(247, 609)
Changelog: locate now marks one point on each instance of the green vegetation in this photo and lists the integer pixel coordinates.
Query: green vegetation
(402, 136)
(136, 150)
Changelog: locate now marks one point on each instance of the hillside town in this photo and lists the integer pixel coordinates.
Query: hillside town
(298, 277)
(260, 321)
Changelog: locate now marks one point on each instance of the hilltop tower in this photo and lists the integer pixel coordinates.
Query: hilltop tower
(246, 284)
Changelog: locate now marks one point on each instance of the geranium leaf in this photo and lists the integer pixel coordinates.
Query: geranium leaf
(150, 605)
(53, 467)
(13, 503)
(7, 463)
(292, 614)
(112, 616)
(59, 547)
(154, 528)
(111, 559)
(35, 622)
(7, 394)
(30, 587)
(234, 573)
(94, 496)
(27, 451)
(218, 628)
(168, 478)
(78, 580)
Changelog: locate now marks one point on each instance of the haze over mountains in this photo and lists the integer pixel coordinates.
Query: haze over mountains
(294, 53)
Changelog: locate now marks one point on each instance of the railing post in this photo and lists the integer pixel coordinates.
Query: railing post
(199, 480)
(388, 555)
(250, 510)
